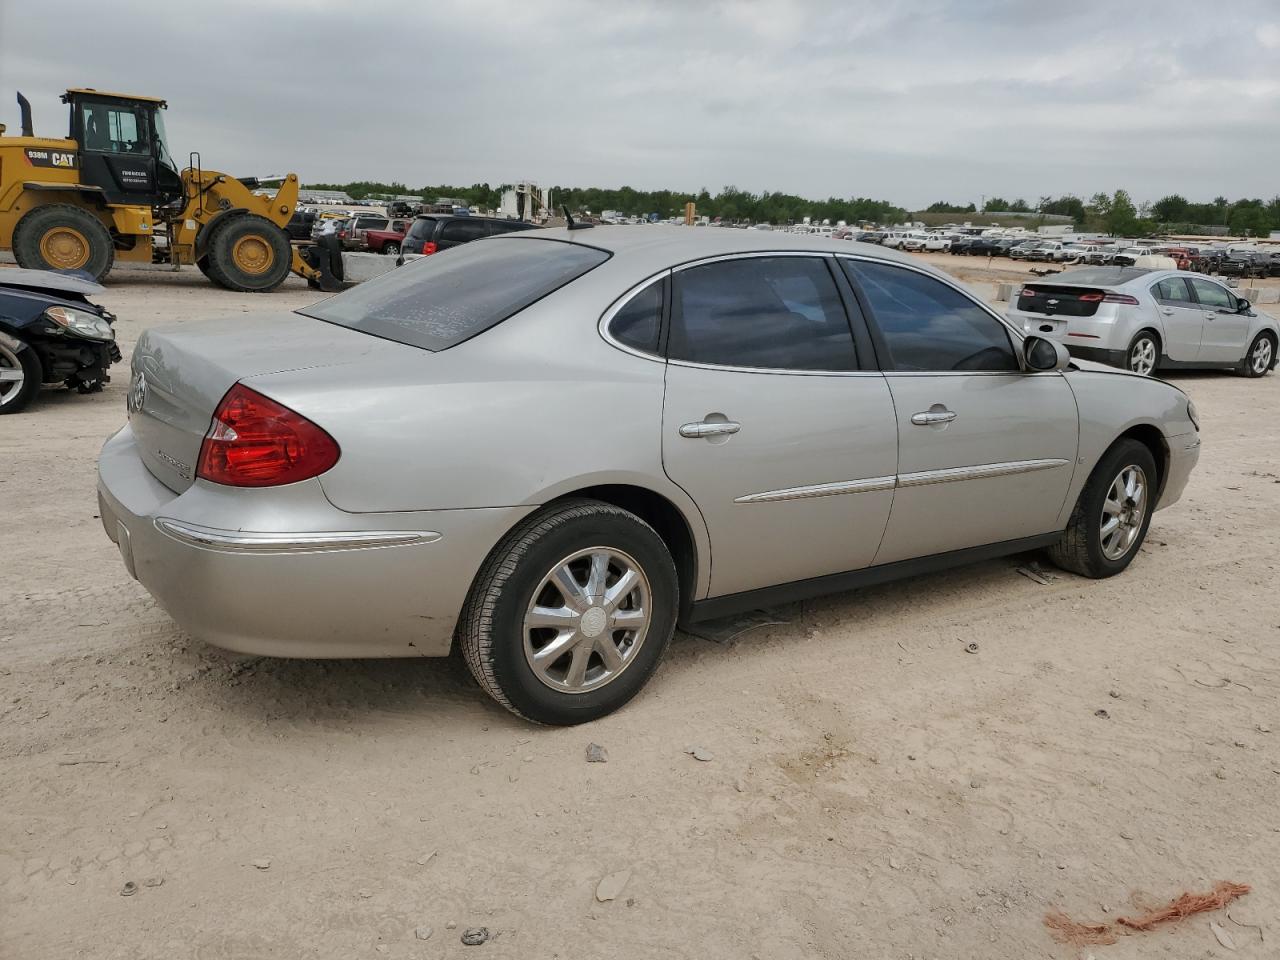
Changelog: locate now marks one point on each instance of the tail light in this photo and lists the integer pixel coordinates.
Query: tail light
(255, 442)
(1027, 292)
(1108, 298)
(429, 247)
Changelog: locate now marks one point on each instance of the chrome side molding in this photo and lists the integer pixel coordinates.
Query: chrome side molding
(920, 479)
(978, 472)
(820, 490)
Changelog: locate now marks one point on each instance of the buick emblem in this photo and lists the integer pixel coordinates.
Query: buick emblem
(137, 395)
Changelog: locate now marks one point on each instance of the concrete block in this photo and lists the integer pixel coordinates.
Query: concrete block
(1005, 291)
(359, 267)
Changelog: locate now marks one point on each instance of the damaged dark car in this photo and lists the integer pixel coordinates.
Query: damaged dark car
(51, 333)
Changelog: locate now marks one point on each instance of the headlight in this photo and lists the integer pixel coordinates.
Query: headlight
(1193, 415)
(81, 322)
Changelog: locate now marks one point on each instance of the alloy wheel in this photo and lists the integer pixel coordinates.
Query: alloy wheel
(1123, 512)
(587, 620)
(1260, 359)
(1142, 357)
(12, 376)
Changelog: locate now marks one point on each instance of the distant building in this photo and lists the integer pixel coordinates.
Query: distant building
(308, 195)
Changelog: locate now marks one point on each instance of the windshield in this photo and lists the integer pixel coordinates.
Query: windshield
(162, 140)
(439, 301)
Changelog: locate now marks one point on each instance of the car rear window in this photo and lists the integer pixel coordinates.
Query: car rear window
(439, 301)
(422, 229)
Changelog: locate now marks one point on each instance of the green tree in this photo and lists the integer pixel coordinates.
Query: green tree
(1122, 217)
(1019, 206)
(1170, 209)
(995, 205)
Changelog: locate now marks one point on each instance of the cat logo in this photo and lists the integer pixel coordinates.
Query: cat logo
(51, 158)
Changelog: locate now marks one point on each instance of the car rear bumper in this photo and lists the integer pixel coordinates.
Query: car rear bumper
(282, 572)
(1112, 358)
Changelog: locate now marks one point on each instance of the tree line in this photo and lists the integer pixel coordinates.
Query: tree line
(1118, 215)
(1114, 213)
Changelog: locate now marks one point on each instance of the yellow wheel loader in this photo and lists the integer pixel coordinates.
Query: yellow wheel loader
(111, 191)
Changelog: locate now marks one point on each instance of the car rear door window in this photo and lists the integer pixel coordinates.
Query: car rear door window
(462, 231)
(1213, 296)
(778, 313)
(639, 322)
(438, 302)
(423, 229)
(1173, 290)
(928, 325)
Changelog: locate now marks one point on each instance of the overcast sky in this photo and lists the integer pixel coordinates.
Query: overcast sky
(910, 101)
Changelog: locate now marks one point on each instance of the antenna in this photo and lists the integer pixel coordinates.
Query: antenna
(571, 223)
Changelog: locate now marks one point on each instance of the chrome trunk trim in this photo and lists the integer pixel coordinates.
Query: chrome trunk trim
(242, 542)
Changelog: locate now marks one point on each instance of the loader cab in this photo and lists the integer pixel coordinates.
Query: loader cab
(122, 147)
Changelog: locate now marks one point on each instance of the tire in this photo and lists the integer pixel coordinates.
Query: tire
(391, 249)
(59, 236)
(248, 253)
(498, 644)
(1143, 354)
(1083, 549)
(1261, 356)
(17, 396)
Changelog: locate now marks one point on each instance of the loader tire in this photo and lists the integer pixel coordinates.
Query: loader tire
(59, 236)
(249, 254)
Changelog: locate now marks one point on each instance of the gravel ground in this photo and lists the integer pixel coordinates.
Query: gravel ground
(874, 789)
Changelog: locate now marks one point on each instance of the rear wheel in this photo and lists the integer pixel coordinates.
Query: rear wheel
(58, 236)
(249, 254)
(391, 249)
(1111, 518)
(1143, 354)
(20, 374)
(1261, 356)
(571, 613)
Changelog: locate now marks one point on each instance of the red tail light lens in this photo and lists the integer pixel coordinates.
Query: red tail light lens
(1090, 298)
(255, 442)
(1120, 298)
(1027, 292)
(429, 247)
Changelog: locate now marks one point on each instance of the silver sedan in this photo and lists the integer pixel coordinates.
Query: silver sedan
(1149, 320)
(549, 448)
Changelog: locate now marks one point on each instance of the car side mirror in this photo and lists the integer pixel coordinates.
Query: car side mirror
(1242, 305)
(1045, 355)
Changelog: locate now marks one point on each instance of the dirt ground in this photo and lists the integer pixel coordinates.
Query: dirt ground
(877, 785)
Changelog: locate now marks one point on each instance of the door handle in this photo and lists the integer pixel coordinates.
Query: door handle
(710, 428)
(1167, 311)
(930, 417)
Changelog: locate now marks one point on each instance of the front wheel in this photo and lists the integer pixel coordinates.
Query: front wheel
(391, 249)
(248, 253)
(1261, 355)
(1111, 518)
(1144, 350)
(571, 613)
(20, 374)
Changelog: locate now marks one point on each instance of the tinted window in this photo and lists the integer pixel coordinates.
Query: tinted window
(462, 231)
(1172, 290)
(928, 325)
(508, 226)
(638, 322)
(371, 223)
(422, 229)
(440, 301)
(772, 312)
(113, 129)
(1212, 295)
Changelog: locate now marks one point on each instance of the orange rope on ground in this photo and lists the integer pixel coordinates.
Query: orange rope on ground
(1065, 930)
(1186, 905)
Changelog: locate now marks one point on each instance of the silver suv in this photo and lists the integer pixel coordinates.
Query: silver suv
(1149, 320)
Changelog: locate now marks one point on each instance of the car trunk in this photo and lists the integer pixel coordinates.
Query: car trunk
(1057, 300)
(180, 375)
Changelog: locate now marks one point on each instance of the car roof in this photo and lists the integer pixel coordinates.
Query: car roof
(655, 247)
(1116, 277)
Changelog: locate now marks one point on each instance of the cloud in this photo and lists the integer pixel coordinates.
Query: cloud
(910, 101)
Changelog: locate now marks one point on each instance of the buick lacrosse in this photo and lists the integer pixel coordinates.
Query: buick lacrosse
(551, 447)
